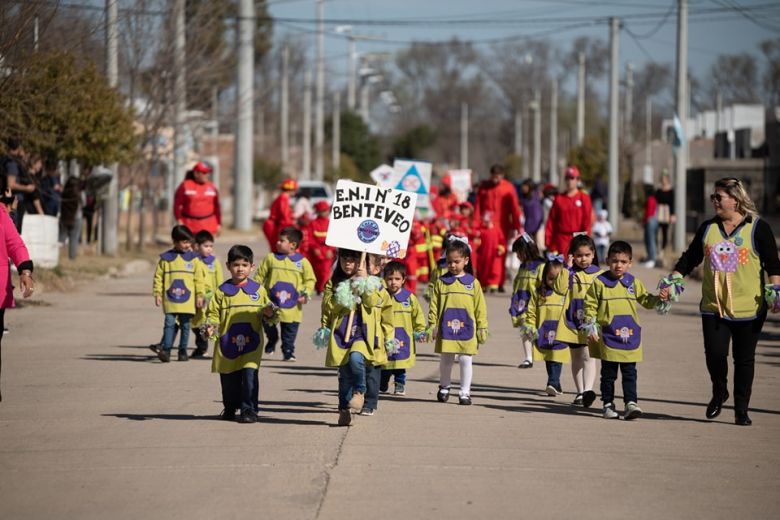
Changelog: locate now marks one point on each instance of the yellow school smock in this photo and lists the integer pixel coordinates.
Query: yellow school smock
(574, 283)
(176, 282)
(737, 292)
(526, 280)
(238, 311)
(543, 314)
(457, 311)
(211, 274)
(368, 331)
(613, 303)
(286, 278)
(407, 319)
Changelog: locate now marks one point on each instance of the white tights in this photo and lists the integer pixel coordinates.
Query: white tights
(528, 350)
(445, 372)
(583, 369)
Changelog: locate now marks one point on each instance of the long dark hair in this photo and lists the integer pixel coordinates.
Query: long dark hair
(458, 246)
(526, 248)
(339, 275)
(551, 263)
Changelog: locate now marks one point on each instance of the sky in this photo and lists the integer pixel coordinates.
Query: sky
(649, 26)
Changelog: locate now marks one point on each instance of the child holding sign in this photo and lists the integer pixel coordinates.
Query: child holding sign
(352, 341)
(457, 318)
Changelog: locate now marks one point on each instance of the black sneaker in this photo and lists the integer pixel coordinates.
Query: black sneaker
(443, 394)
(291, 357)
(164, 355)
(198, 353)
(183, 356)
(269, 351)
(464, 400)
(228, 415)
(248, 417)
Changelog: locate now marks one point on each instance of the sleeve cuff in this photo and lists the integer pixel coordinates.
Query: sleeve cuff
(25, 266)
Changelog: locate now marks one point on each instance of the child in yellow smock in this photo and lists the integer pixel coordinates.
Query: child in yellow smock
(211, 273)
(526, 280)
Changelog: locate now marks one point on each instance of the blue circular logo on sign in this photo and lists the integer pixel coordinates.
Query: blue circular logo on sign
(368, 231)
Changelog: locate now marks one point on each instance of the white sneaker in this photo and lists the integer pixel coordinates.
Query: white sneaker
(609, 411)
(632, 411)
(552, 391)
(649, 264)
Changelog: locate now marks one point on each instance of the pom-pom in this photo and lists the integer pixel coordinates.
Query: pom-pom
(321, 338)
(421, 336)
(528, 332)
(663, 307)
(482, 336)
(372, 283)
(772, 296)
(675, 284)
(392, 347)
(273, 318)
(344, 295)
(591, 328)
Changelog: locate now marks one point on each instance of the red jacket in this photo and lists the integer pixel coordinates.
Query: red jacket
(502, 200)
(196, 206)
(280, 217)
(651, 205)
(568, 215)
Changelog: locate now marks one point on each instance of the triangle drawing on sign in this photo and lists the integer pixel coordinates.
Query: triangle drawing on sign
(412, 181)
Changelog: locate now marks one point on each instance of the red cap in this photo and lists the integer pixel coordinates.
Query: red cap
(466, 204)
(447, 180)
(202, 167)
(572, 172)
(289, 184)
(321, 206)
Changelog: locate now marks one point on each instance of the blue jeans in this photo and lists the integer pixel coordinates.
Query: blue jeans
(240, 389)
(373, 377)
(400, 378)
(553, 373)
(289, 333)
(169, 331)
(609, 373)
(651, 232)
(352, 378)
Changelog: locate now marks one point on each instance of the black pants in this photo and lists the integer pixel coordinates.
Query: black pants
(664, 234)
(609, 374)
(240, 389)
(744, 338)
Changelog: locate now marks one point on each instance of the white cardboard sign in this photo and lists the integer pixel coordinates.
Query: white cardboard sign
(460, 181)
(409, 175)
(371, 219)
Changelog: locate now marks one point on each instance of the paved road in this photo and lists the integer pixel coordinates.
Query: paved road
(93, 426)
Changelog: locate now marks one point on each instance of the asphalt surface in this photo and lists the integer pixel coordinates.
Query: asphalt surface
(92, 425)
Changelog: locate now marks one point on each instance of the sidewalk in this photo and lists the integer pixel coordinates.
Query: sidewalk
(93, 426)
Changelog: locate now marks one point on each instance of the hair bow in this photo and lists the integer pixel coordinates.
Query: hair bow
(456, 238)
(527, 238)
(552, 257)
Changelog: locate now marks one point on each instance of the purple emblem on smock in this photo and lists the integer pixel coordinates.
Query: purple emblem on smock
(623, 333)
(178, 292)
(547, 339)
(575, 313)
(457, 325)
(239, 339)
(519, 303)
(359, 331)
(404, 343)
(284, 295)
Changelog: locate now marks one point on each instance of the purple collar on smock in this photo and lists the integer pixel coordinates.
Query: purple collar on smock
(450, 278)
(295, 257)
(171, 254)
(402, 295)
(610, 281)
(250, 287)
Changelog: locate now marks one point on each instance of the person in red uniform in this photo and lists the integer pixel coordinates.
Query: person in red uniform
(491, 253)
(570, 213)
(320, 255)
(280, 215)
(499, 197)
(446, 202)
(196, 203)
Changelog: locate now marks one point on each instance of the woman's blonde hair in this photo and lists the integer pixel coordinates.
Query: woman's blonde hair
(736, 190)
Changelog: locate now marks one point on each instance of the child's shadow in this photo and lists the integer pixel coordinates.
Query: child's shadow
(262, 418)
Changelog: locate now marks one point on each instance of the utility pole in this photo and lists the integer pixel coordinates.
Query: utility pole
(464, 136)
(242, 184)
(319, 131)
(306, 169)
(336, 130)
(648, 175)
(581, 99)
(180, 94)
(629, 108)
(260, 130)
(526, 149)
(108, 230)
(614, 86)
(680, 163)
(536, 173)
(351, 86)
(285, 116)
(215, 133)
(35, 24)
(518, 149)
(364, 85)
(554, 132)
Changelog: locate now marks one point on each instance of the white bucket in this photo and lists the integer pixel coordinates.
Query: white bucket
(41, 235)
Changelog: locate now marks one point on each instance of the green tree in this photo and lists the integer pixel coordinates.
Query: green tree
(63, 111)
(591, 157)
(359, 144)
(412, 143)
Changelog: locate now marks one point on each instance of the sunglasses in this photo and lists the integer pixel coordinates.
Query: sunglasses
(716, 197)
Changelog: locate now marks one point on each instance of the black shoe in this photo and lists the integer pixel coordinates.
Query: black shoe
(443, 394)
(248, 417)
(154, 347)
(269, 351)
(464, 400)
(164, 355)
(588, 396)
(198, 353)
(183, 356)
(228, 415)
(742, 419)
(526, 364)
(715, 406)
